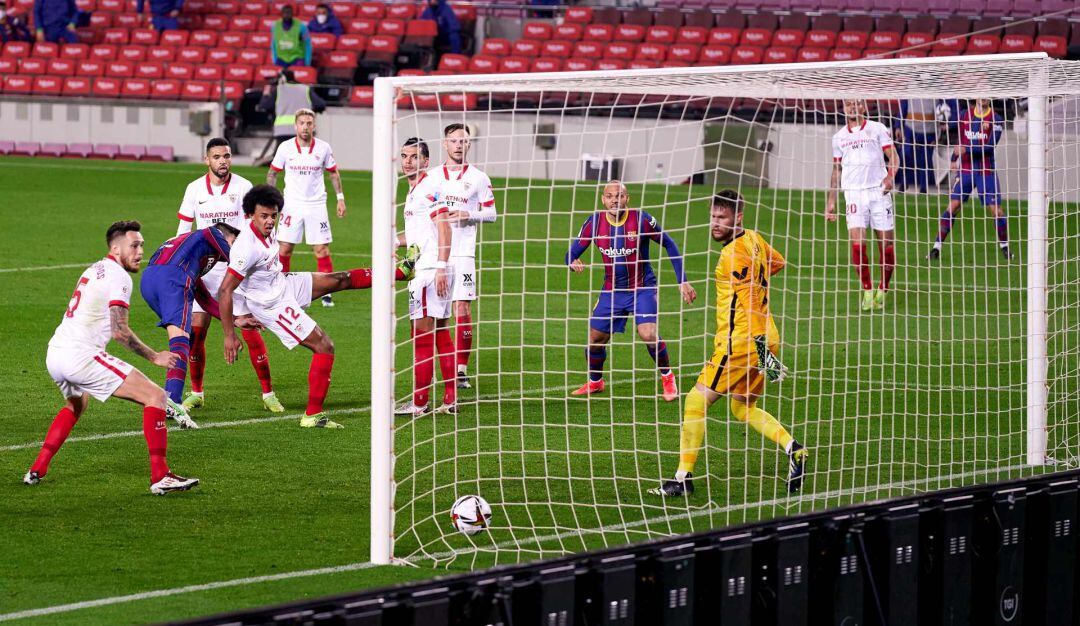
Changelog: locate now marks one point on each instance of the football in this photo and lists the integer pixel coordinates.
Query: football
(470, 514)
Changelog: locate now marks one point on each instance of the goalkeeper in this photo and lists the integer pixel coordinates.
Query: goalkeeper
(745, 346)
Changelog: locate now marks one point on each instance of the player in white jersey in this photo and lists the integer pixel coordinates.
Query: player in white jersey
(466, 193)
(80, 366)
(304, 218)
(277, 299)
(859, 168)
(216, 197)
(427, 231)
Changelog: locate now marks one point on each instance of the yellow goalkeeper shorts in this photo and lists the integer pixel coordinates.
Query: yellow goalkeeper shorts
(733, 374)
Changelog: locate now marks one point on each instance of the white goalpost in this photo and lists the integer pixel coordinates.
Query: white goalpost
(968, 372)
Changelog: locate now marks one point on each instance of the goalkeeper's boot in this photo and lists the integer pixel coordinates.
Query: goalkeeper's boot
(32, 478)
(272, 404)
(867, 300)
(171, 482)
(447, 408)
(409, 408)
(797, 466)
(463, 380)
(589, 388)
(1005, 252)
(319, 420)
(194, 400)
(177, 412)
(879, 299)
(671, 390)
(934, 254)
(408, 262)
(675, 488)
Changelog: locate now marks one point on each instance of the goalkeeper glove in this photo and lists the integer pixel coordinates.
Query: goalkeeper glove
(774, 370)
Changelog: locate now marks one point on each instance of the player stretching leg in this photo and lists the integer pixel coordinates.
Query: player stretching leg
(466, 193)
(80, 367)
(216, 197)
(859, 151)
(622, 235)
(980, 130)
(304, 159)
(276, 299)
(171, 285)
(744, 350)
(427, 233)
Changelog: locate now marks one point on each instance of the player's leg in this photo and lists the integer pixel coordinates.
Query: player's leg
(463, 345)
(444, 342)
(423, 362)
(180, 345)
(200, 322)
(324, 264)
(58, 433)
(987, 186)
(658, 352)
(857, 217)
(260, 362)
(285, 250)
(744, 408)
(883, 221)
(692, 430)
(322, 363)
(171, 295)
(605, 319)
(962, 186)
(290, 232)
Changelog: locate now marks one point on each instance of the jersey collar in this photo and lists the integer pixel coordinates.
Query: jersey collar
(861, 126)
(112, 258)
(258, 235)
(621, 221)
(979, 113)
(300, 150)
(446, 171)
(423, 175)
(224, 187)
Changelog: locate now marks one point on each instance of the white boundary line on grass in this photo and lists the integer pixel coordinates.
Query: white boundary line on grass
(67, 266)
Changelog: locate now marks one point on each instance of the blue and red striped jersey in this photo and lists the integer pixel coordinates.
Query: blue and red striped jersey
(624, 248)
(979, 135)
(193, 253)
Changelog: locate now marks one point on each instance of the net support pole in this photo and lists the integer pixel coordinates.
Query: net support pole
(1037, 272)
(382, 324)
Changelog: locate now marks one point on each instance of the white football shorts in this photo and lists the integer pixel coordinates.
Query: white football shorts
(287, 317)
(464, 287)
(304, 222)
(80, 370)
(212, 281)
(424, 299)
(869, 208)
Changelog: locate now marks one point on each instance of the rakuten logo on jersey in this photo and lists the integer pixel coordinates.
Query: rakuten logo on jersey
(614, 253)
(975, 135)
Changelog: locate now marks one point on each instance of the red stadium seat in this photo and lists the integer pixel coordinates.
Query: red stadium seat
(844, 54)
(18, 84)
(458, 101)
(362, 96)
(495, 47)
(392, 28)
(695, 35)
(715, 55)
(323, 42)
(644, 52)
(120, 69)
(812, 55)
(214, 23)
(371, 10)
(556, 49)
(150, 70)
(267, 73)
(910, 54)
(361, 26)
(135, 88)
(160, 54)
(983, 44)
(788, 37)
(144, 37)
(191, 54)
(131, 152)
(611, 64)
(112, 6)
(588, 49)
(252, 57)
(76, 86)
(32, 66)
(47, 85)
(884, 40)
(101, 21)
(208, 72)
(953, 44)
(661, 34)
(253, 7)
(60, 67)
(579, 14)
(421, 33)
(304, 74)
(598, 32)
(79, 151)
(168, 89)
(179, 71)
(243, 23)
(74, 51)
(631, 33)
(340, 60)
(45, 50)
(135, 54)
(756, 37)
(1016, 43)
(116, 36)
(221, 56)
(747, 55)
(232, 39)
(481, 64)
(206, 38)
(820, 39)
(16, 49)
(266, 23)
(537, 31)
(422, 101)
(852, 39)
(525, 48)
(547, 64)
(90, 68)
(398, 11)
(916, 39)
(642, 64)
(1051, 44)
(513, 65)
(259, 40)
(455, 63)
(86, 5)
(103, 52)
(243, 74)
(104, 87)
(569, 32)
(580, 65)
(231, 91)
(725, 36)
(127, 21)
(8, 66)
(779, 54)
(683, 53)
(381, 49)
(175, 38)
(196, 91)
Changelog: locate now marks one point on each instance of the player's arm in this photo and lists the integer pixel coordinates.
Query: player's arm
(747, 292)
(776, 260)
(579, 246)
(271, 176)
(186, 214)
(225, 307)
(486, 212)
(445, 237)
(834, 188)
(954, 160)
(335, 180)
(122, 334)
(674, 256)
(892, 166)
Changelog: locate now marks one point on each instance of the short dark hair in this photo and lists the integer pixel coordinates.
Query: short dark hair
(289, 76)
(227, 229)
(455, 126)
(119, 229)
(729, 198)
(323, 5)
(262, 195)
(420, 144)
(217, 142)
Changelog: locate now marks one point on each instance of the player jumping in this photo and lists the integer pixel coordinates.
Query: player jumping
(622, 235)
(428, 235)
(980, 130)
(80, 367)
(744, 350)
(277, 299)
(217, 197)
(304, 218)
(859, 151)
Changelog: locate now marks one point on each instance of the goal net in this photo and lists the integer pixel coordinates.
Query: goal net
(967, 371)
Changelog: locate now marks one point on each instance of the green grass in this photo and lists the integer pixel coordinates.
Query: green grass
(931, 390)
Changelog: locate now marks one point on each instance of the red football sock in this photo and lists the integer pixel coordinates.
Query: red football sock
(399, 275)
(286, 261)
(861, 260)
(360, 278)
(197, 357)
(888, 264)
(324, 264)
(464, 338)
(58, 432)
(157, 440)
(445, 344)
(423, 361)
(259, 360)
(318, 381)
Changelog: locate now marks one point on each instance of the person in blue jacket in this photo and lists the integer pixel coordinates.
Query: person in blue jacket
(449, 39)
(325, 21)
(54, 20)
(163, 12)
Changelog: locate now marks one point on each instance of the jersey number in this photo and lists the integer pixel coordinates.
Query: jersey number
(852, 208)
(287, 221)
(76, 297)
(292, 313)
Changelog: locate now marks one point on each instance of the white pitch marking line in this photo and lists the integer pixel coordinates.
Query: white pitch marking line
(65, 266)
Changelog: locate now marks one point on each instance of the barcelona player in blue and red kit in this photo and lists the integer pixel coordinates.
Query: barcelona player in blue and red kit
(171, 284)
(622, 235)
(980, 130)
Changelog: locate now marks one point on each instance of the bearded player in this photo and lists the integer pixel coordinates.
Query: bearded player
(218, 197)
(80, 367)
(622, 235)
(744, 350)
(859, 151)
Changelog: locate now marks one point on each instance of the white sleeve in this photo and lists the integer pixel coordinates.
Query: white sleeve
(242, 259)
(837, 153)
(885, 136)
(119, 289)
(186, 214)
(329, 164)
(486, 198)
(278, 163)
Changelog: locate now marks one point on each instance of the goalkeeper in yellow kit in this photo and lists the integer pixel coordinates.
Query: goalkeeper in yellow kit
(745, 347)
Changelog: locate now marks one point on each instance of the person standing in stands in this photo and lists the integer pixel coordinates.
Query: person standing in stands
(285, 99)
(54, 20)
(440, 12)
(325, 21)
(12, 28)
(163, 13)
(290, 43)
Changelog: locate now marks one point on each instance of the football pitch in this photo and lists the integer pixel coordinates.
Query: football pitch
(889, 402)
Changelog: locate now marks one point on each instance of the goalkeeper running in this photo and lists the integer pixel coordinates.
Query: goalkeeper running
(745, 346)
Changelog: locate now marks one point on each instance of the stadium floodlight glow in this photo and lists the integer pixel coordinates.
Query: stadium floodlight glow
(969, 374)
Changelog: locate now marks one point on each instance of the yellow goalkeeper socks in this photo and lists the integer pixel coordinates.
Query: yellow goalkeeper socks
(693, 431)
(761, 421)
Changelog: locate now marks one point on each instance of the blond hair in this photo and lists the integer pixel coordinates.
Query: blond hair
(302, 112)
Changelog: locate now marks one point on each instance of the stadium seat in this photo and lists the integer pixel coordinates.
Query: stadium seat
(47, 85)
(179, 71)
(852, 39)
(266, 24)
(242, 74)
(923, 24)
(588, 49)
(195, 91)
(32, 66)
(884, 40)
(205, 38)
(233, 39)
(106, 87)
(547, 64)
(878, 53)
(105, 151)
(795, 20)
(351, 42)
(54, 150)
(611, 64)
(25, 148)
(267, 73)
(304, 74)
(954, 44)
(983, 44)
(496, 47)
(259, 41)
(669, 17)
(625, 51)
(529, 48)
(6, 146)
(371, 10)
(755, 37)
(362, 96)
(632, 33)
(16, 49)
(120, 69)
(103, 52)
(724, 36)
(779, 54)
(243, 23)
(361, 26)
(1053, 45)
(8, 66)
(391, 28)
(892, 23)
(253, 7)
(339, 65)
(191, 54)
(715, 55)
(481, 64)
(765, 20)
(859, 23)
(208, 72)
(129, 21)
(579, 14)
(661, 34)
(78, 151)
(955, 25)
(90, 68)
(175, 38)
(74, 51)
(912, 39)
(580, 65)
(403, 11)
(227, 90)
(221, 56)
(811, 54)
(213, 23)
(133, 54)
(381, 49)
(640, 17)
(149, 70)
(569, 32)
(100, 21)
(144, 37)
(537, 31)
(322, 42)
(423, 101)
(556, 49)
(115, 36)
(747, 55)
(644, 52)
(45, 50)
(112, 6)
(421, 33)
(1016, 43)
(788, 37)
(598, 32)
(60, 67)
(683, 53)
(699, 19)
(135, 88)
(820, 39)
(160, 54)
(694, 35)
(514, 65)
(830, 22)
(844, 54)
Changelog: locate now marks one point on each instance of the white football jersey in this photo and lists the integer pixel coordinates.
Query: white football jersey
(421, 207)
(861, 154)
(86, 322)
(467, 189)
(206, 204)
(304, 168)
(254, 260)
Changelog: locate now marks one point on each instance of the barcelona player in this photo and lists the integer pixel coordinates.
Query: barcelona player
(622, 235)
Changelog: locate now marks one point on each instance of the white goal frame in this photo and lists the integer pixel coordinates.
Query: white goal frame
(763, 81)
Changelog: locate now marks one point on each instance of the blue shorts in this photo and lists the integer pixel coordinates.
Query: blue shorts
(985, 184)
(611, 310)
(170, 294)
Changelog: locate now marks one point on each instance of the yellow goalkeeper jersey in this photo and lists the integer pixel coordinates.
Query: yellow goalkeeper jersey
(742, 294)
